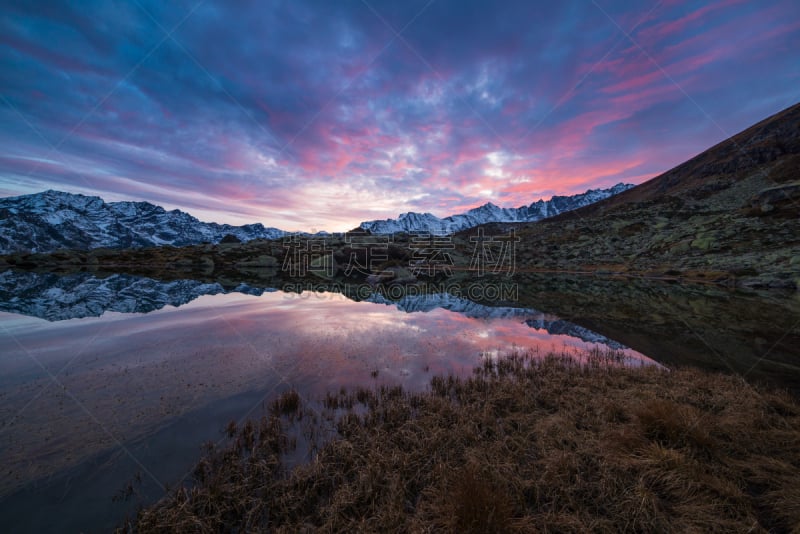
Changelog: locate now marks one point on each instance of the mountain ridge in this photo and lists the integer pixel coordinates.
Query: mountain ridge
(52, 220)
(729, 215)
(752, 151)
(411, 222)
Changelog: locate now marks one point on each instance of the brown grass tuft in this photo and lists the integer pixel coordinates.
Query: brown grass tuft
(674, 425)
(523, 444)
(287, 403)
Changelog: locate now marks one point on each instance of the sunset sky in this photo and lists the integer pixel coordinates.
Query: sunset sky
(311, 115)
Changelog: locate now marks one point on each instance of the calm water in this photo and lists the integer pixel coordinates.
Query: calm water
(92, 398)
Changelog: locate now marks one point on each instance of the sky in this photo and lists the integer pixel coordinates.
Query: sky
(319, 114)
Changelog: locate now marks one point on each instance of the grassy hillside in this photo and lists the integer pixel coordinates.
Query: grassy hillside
(730, 214)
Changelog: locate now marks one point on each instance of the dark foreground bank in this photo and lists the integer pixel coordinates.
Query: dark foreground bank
(523, 445)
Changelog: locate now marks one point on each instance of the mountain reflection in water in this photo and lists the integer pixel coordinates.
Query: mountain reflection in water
(98, 362)
(91, 363)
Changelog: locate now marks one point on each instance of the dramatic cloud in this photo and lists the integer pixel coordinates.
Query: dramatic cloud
(317, 114)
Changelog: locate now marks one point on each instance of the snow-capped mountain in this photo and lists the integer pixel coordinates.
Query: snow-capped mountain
(44, 222)
(47, 221)
(541, 209)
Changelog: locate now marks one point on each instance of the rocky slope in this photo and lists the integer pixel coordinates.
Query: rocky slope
(489, 213)
(54, 220)
(729, 215)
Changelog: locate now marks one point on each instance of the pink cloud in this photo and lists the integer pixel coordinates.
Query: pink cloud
(667, 29)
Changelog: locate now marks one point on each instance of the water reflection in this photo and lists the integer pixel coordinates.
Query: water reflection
(94, 376)
(89, 363)
(535, 319)
(753, 334)
(58, 297)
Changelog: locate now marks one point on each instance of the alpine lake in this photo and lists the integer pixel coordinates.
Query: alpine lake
(110, 383)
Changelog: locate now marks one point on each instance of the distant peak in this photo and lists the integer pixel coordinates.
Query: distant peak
(489, 212)
(55, 194)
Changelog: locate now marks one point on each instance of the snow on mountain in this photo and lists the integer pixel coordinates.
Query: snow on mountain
(541, 209)
(52, 220)
(47, 221)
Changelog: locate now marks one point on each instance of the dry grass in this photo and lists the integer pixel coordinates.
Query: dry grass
(522, 445)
